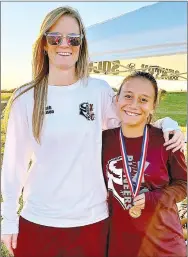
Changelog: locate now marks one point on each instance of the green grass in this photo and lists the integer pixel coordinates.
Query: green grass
(4, 252)
(173, 105)
(5, 96)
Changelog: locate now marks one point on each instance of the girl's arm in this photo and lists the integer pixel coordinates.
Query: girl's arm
(176, 191)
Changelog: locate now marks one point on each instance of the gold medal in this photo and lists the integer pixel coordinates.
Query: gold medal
(135, 212)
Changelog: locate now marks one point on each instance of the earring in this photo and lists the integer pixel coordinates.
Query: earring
(45, 52)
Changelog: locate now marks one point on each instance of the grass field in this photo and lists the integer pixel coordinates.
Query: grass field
(5, 96)
(172, 105)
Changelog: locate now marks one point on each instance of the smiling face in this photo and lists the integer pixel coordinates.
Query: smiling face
(136, 101)
(63, 56)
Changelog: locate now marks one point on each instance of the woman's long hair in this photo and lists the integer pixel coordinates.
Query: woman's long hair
(40, 68)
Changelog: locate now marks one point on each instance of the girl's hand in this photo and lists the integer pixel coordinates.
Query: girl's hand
(176, 142)
(139, 201)
(10, 241)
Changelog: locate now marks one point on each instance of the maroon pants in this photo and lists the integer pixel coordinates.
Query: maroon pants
(41, 241)
(124, 245)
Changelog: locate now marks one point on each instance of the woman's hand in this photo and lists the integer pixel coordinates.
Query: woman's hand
(139, 201)
(176, 142)
(10, 241)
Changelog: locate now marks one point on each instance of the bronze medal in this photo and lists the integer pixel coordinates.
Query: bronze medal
(135, 212)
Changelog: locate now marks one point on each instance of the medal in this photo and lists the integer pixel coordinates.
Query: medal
(134, 211)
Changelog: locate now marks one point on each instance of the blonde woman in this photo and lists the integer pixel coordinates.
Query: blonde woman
(56, 121)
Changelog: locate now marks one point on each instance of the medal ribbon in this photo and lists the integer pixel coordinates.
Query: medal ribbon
(134, 191)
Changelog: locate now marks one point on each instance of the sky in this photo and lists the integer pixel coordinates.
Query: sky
(20, 24)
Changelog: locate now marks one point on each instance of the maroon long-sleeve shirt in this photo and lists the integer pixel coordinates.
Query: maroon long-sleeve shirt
(157, 232)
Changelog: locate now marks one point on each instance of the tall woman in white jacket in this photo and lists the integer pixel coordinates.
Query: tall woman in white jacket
(56, 122)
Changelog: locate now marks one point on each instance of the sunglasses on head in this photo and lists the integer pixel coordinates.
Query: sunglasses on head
(56, 39)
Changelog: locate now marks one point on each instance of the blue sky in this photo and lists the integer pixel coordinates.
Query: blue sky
(20, 23)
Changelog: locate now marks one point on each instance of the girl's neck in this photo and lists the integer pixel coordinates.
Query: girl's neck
(59, 77)
(133, 131)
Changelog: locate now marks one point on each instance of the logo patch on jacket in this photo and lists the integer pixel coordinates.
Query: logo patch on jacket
(49, 110)
(86, 110)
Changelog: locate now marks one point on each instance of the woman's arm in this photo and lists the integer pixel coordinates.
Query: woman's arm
(109, 115)
(170, 126)
(16, 158)
(166, 124)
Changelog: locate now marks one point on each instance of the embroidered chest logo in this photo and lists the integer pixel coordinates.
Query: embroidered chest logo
(87, 111)
(49, 110)
(116, 179)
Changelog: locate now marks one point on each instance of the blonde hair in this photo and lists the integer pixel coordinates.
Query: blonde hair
(40, 67)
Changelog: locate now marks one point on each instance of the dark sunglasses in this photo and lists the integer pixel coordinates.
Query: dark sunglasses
(56, 39)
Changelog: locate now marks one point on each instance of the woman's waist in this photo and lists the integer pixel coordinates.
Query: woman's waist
(64, 198)
(64, 216)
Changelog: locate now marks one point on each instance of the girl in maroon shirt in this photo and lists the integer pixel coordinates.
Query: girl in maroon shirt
(144, 180)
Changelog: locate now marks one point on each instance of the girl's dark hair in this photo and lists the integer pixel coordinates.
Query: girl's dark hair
(144, 75)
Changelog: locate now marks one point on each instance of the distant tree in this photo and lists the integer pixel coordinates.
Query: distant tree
(5, 91)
